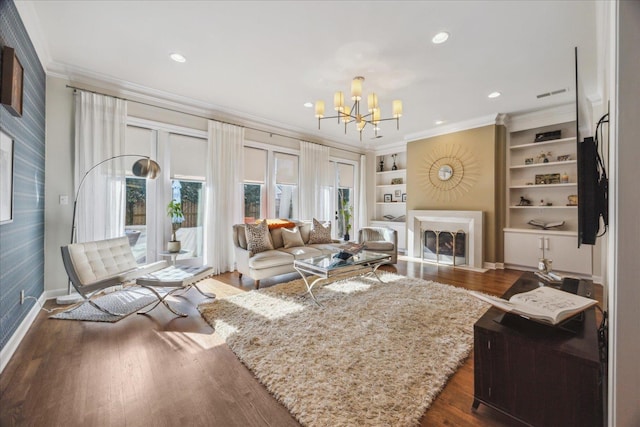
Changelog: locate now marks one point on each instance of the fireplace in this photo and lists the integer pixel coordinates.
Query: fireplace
(445, 247)
(468, 222)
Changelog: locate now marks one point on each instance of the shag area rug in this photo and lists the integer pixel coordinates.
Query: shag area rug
(372, 355)
(124, 302)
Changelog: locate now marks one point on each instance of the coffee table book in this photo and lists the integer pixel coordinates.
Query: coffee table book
(545, 305)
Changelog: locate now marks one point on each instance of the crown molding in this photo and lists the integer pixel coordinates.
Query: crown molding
(548, 116)
(31, 21)
(492, 119)
(90, 80)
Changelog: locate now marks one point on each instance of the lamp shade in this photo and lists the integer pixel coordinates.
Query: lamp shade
(319, 109)
(338, 101)
(146, 168)
(397, 109)
(372, 102)
(356, 88)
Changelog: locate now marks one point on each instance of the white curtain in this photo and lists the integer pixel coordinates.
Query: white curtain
(100, 124)
(315, 182)
(363, 218)
(224, 196)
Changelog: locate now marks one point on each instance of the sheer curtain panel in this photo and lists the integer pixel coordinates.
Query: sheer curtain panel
(100, 125)
(363, 219)
(315, 182)
(224, 196)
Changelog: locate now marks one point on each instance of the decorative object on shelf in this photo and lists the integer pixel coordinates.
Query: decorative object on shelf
(347, 114)
(397, 194)
(528, 161)
(548, 178)
(563, 158)
(6, 178)
(404, 197)
(394, 167)
(543, 157)
(548, 136)
(381, 165)
(174, 211)
(12, 82)
(387, 198)
(541, 202)
(396, 181)
(524, 202)
(564, 178)
(573, 200)
(448, 172)
(545, 225)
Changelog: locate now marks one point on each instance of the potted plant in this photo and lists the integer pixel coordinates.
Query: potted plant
(174, 211)
(346, 210)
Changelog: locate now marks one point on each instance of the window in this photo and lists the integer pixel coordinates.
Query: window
(286, 178)
(188, 169)
(255, 171)
(345, 198)
(138, 141)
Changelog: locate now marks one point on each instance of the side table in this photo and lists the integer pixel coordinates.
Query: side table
(173, 255)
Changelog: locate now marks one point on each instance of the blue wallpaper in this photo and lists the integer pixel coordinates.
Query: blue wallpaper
(22, 241)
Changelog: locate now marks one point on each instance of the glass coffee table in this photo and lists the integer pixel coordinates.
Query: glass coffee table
(327, 266)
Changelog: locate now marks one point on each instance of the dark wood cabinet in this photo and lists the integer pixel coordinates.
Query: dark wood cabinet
(538, 374)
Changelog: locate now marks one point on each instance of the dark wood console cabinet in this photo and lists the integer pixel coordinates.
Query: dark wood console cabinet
(538, 374)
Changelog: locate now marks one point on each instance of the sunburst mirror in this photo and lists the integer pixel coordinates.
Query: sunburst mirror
(448, 172)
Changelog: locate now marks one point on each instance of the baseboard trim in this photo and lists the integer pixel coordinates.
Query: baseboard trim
(494, 265)
(12, 345)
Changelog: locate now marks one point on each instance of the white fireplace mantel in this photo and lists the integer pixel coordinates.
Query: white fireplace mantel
(468, 221)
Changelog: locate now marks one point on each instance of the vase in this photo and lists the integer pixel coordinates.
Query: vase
(346, 237)
(381, 165)
(173, 246)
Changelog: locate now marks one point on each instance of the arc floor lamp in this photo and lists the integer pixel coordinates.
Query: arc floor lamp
(143, 168)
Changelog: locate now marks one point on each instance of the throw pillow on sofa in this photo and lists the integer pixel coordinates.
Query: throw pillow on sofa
(258, 238)
(320, 233)
(291, 238)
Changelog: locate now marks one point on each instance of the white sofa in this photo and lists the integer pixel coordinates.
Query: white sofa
(278, 260)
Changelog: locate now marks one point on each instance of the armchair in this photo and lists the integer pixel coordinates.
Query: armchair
(380, 239)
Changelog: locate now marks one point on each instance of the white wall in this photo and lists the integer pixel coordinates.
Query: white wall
(58, 181)
(624, 293)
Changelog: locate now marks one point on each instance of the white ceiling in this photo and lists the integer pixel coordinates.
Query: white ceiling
(263, 60)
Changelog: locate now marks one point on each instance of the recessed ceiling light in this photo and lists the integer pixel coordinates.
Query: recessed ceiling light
(439, 122)
(177, 57)
(308, 104)
(494, 94)
(441, 37)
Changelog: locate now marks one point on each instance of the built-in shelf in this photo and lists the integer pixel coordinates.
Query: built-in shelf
(391, 185)
(538, 144)
(390, 172)
(537, 165)
(391, 203)
(567, 184)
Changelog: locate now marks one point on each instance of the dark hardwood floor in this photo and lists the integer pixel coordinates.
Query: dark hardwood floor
(160, 370)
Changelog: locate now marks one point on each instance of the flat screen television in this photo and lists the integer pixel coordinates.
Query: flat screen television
(592, 178)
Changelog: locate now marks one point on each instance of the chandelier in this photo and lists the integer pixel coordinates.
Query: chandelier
(348, 114)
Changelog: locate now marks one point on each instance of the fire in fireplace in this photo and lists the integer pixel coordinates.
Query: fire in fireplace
(445, 247)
